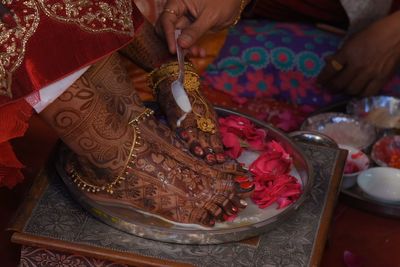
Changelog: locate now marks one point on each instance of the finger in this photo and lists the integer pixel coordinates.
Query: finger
(373, 87)
(191, 34)
(331, 69)
(168, 19)
(358, 84)
(194, 51)
(167, 22)
(202, 52)
(341, 80)
(182, 22)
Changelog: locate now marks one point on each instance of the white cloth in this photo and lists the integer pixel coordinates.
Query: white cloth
(50, 92)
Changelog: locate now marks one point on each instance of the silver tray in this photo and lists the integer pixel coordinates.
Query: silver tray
(250, 222)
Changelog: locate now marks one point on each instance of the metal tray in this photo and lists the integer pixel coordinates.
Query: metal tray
(250, 222)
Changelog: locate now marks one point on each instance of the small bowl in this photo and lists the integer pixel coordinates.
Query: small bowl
(313, 138)
(381, 111)
(344, 129)
(356, 162)
(386, 151)
(381, 183)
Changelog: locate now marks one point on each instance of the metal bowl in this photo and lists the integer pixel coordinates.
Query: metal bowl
(381, 111)
(250, 222)
(344, 129)
(313, 138)
(384, 149)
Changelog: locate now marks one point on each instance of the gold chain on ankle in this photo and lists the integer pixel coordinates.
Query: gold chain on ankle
(109, 188)
(191, 84)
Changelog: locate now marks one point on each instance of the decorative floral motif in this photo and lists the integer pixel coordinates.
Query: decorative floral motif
(43, 257)
(288, 47)
(93, 16)
(13, 41)
(256, 57)
(295, 83)
(309, 64)
(282, 58)
(232, 65)
(260, 84)
(227, 83)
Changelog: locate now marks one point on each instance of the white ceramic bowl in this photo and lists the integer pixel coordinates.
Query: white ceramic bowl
(381, 183)
(356, 162)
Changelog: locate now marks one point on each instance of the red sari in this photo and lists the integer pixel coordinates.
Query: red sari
(44, 41)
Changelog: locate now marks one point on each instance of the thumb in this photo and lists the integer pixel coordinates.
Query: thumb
(191, 34)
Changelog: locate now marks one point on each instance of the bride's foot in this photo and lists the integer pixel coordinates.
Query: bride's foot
(140, 163)
(199, 129)
(161, 180)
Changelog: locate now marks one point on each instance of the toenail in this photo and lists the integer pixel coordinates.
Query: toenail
(210, 158)
(234, 209)
(246, 185)
(220, 157)
(183, 134)
(196, 149)
(243, 203)
(241, 179)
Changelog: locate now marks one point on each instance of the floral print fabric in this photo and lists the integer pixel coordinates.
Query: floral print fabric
(276, 60)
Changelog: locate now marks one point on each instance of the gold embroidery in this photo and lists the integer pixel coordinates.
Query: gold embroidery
(93, 16)
(13, 40)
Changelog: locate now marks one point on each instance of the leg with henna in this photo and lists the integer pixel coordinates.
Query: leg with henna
(199, 130)
(126, 157)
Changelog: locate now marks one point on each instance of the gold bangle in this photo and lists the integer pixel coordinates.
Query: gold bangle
(109, 188)
(241, 8)
(191, 84)
(168, 69)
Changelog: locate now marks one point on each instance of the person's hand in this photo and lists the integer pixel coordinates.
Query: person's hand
(366, 61)
(196, 18)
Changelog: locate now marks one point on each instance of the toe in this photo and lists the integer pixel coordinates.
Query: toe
(196, 149)
(238, 202)
(216, 145)
(210, 157)
(183, 134)
(199, 216)
(213, 209)
(225, 204)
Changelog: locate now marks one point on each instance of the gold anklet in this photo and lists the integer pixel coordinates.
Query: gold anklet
(191, 84)
(109, 188)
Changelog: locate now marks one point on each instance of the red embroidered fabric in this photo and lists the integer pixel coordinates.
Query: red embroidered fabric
(50, 40)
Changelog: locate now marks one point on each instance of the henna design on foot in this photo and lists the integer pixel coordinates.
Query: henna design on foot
(149, 51)
(92, 117)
